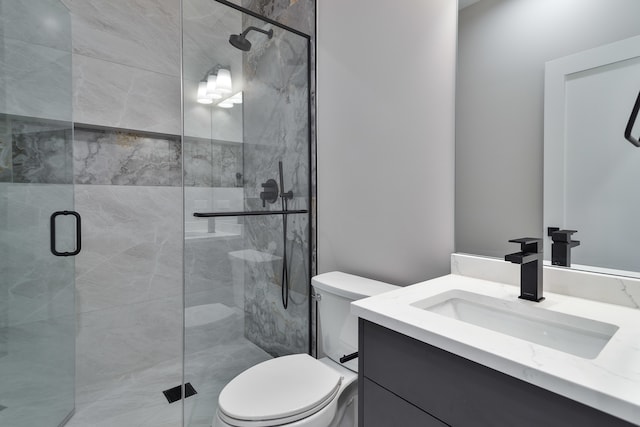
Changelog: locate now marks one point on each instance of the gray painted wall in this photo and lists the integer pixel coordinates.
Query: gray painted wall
(502, 48)
(385, 138)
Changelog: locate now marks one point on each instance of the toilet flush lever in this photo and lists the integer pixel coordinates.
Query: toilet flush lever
(347, 357)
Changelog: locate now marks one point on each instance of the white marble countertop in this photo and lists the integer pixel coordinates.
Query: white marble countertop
(610, 382)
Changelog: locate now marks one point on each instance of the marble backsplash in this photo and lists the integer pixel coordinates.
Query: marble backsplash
(607, 288)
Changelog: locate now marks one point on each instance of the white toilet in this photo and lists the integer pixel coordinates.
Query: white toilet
(298, 390)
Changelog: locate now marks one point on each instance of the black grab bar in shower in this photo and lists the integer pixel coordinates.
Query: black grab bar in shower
(250, 213)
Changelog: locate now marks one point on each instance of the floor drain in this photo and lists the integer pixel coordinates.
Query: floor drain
(174, 394)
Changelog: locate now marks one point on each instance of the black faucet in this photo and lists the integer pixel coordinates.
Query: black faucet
(561, 246)
(530, 260)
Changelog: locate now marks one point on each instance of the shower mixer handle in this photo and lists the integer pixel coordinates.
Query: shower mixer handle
(270, 193)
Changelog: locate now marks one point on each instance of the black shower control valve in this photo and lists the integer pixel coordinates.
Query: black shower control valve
(270, 193)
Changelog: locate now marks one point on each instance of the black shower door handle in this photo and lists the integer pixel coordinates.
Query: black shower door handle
(632, 122)
(53, 233)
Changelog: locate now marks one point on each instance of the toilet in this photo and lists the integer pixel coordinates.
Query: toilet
(299, 390)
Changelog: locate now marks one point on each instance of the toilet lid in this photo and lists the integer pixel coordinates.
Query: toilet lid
(284, 387)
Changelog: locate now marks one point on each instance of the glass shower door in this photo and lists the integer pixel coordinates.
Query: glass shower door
(37, 313)
(246, 150)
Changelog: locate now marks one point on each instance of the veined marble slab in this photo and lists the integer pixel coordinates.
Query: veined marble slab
(125, 158)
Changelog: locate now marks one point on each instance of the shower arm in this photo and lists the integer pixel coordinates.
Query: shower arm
(269, 33)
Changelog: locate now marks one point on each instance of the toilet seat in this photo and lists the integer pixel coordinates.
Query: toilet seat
(279, 391)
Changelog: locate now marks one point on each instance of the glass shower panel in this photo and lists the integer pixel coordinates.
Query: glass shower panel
(37, 312)
(247, 178)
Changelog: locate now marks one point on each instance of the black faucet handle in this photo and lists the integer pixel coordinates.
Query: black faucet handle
(558, 235)
(529, 244)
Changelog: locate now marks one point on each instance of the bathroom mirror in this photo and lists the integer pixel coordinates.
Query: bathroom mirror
(500, 125)
(591, 157)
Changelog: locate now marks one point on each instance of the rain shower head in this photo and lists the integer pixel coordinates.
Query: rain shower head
(239, 41)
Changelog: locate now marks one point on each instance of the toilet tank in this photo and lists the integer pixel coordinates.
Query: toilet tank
(337, 327)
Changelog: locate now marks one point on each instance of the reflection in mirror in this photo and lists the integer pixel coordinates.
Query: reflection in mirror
(503, 46)
(591, 170)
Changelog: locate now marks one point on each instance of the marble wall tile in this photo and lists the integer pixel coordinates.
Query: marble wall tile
(36, 81)
(132, 240)
(43, 157)
(115, 95)
(128, 279)
(6, 150)
(37, 151)
(36, 284)
(297, 14)
(41, 22)
(144, 34)
(126, 158)
(198, 170)
(126, 338)
(212, 164)
(276, 128)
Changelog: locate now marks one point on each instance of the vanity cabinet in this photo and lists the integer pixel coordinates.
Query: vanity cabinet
(403, 381)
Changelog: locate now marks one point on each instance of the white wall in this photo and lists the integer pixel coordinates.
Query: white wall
(385, 94)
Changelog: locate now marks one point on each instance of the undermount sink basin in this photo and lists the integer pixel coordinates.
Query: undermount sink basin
(570, 334)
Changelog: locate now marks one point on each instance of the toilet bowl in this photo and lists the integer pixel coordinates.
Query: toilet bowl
(298, 390)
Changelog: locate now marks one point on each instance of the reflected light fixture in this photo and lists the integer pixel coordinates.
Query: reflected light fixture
(202, 93)
(211, 91)
(215, 84)
(236, 99)
(223, 81)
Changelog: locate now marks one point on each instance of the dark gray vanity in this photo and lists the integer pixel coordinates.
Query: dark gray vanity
(406, 382)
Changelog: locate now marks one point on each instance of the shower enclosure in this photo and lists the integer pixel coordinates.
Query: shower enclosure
(37, 323)
(246, 148)
(95, 340)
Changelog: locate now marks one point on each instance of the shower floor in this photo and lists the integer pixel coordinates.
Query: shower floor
(136, 400)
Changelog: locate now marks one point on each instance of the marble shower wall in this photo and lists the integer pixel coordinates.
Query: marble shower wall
(126, 64)
(276, 113)
(126, 67)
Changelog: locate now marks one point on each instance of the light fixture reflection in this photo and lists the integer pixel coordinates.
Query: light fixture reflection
(202, 93)
(215, 86)
(223, 81)
(212, 91)
(236, 99)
